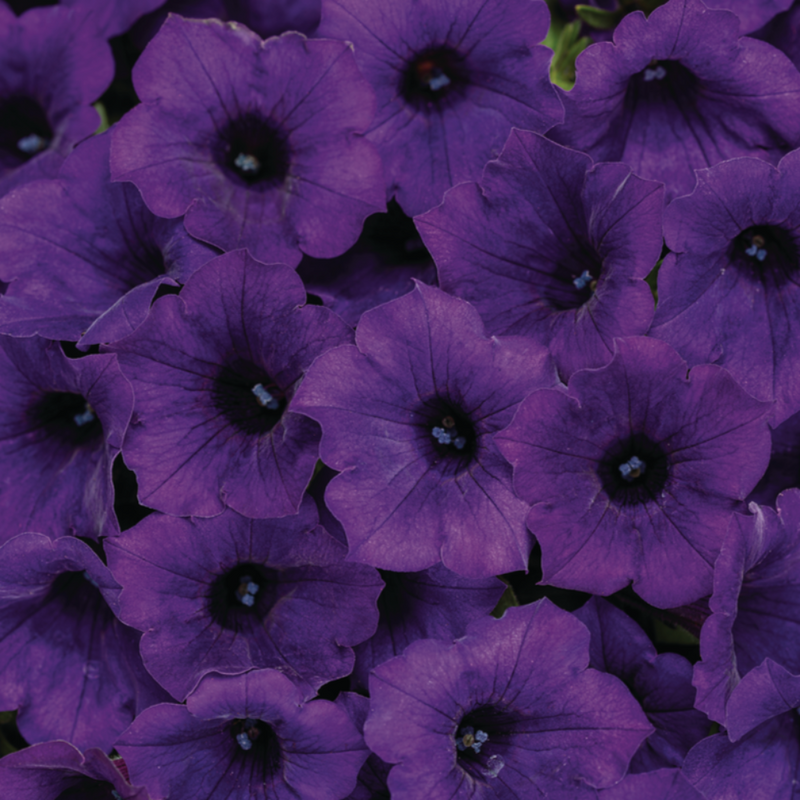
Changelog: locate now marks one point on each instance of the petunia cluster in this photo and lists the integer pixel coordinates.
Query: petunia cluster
(399, 399)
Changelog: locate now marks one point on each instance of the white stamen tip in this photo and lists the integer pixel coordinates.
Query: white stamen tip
(459, 442)
(244, 741)
(752, 250)
(442, 436)
(83, 419)
(583, 279)
(264, 397)
(248, 600)
(247, 163)
(439, 81)
(116, 795)
(32, 143)
(493, 766)
(761, 255)
(252, 588)
(632, 468)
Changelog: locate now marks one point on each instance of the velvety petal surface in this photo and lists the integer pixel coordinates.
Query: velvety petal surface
(408, 495)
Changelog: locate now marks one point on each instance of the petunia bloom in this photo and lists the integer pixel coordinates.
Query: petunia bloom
(728, 292)
(550, 246)
(256, 142)
(84, 257)
(52, 67)
(509, 711)
(59, 771)
(70, 667)
(407, 417)
(231, 594)
(750, 645)
(635, 472)
(214, 372)
(245, 737)
(63, 424)
(451, 80)
(680, 91)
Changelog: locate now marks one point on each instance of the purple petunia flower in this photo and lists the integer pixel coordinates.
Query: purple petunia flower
(634, 473)
(679, 91)
(509, 711)
(59, 771)
(662, 683)
(255, 141)
(52, 67)
(214, 371)
(549, 246)
(451, 80)
(62, 426)
(763, 764)
(69, 665)
(432, 604)
(231, 594)
(408, 416)
(750, 645)
(245, 737)
(84, 257)
(728, 292)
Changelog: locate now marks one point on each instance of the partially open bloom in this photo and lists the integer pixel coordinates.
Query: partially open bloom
(255, 141)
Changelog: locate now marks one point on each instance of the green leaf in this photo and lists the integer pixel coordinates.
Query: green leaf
(598, 18)
(508, 600)
(667, 634)
(101, 110)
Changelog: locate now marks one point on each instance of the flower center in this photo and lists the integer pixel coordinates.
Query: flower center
(433, 75)
(482, 738)
(24, 130)
(469, 737)
(90, 789)
(450, 436)
(766, 252)
(254, 151)
(248, 398)
(242, 595)
(67, 417)
(257, 741)
(634, 470)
